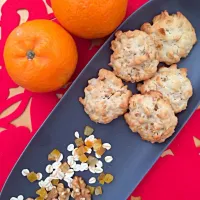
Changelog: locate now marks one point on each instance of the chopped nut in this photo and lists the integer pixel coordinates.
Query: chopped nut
(196, 141)
(136, 198)
(79, 142)
(52, 194)
(64, 167)
(42, 193)
(98, 190)
(64, 193)
(167, 152)
(108, 178)
(54, 155)
(79, 189)
(32, 177)
(88, 131)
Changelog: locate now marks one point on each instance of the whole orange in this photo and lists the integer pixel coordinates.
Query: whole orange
(40, 55)
(90, 18)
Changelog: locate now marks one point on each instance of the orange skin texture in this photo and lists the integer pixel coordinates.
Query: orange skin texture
(55, 56)
(90, 19)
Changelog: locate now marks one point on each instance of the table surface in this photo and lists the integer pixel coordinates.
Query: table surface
(174, 177)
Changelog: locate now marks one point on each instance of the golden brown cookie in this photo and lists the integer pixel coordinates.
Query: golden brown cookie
(106, 97)
(151, 116)
(173, 84)
(174, 36)
(135, 56)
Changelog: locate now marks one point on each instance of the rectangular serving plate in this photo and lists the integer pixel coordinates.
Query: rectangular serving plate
(133, 158)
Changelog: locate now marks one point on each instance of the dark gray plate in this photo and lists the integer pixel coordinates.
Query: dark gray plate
(132, 157)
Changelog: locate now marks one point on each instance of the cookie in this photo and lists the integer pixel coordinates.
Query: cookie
(151, 116)
(135, 56)
(174, 36)
(106, 97)
(173, 84)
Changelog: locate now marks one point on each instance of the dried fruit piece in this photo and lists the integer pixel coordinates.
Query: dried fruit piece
(101, 178)
(32, 177)
(79, 142)
(42, 193)
(91, 189)
(39, 198)
(55, 182)
(54, 155)
(81, 150)
(97, 144)
(89, 143)
(83, 158)
(101, 151)
(92, 161)
(98, 190)
(108, 178)
(167, 152)
(88, 131)
(64, 167)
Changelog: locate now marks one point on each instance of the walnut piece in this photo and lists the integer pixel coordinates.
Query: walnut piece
(64, 193)
(80, 192)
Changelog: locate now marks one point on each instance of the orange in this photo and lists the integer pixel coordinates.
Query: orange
(40, 55)
(90, 18)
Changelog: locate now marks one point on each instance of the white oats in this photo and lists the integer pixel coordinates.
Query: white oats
(98, 170)
(60, 158)
(84, 167)
(99, 164)
(70, 147)
(56, 165)
(71, 162)
(107, 146)
(97, 155)
(47, 182)
(89, 151)
(25, 172)
(13, 198)
(92, 180)
(39, 176)
(108, 159)
(92, 169)
(76, 134)
(41, 183)
(20, 197)
(77, 168)
(73, 165)
(69, 173)
(49, 169)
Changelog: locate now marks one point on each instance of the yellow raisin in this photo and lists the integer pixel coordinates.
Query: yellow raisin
(32, 177)
(101, 178)
(55, 182)
(91, 189)
(97, 144)
(54, 155)
(101, 151)
(83, 158)
(92, 161)
(108, 178)
(42, 193)
(98, 190)
(81, 150)
(88, 131)
(64, 167)
(89, 143)
(79, 142)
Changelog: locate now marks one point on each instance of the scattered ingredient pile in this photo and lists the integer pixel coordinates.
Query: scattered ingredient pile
(61, 171)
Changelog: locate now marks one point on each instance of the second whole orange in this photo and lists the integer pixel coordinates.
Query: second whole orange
(90, 19)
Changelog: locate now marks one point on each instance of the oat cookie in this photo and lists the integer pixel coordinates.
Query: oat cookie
(173, 84)
(106, 97)
(135, 56)
(174, 36)
(151, 116)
